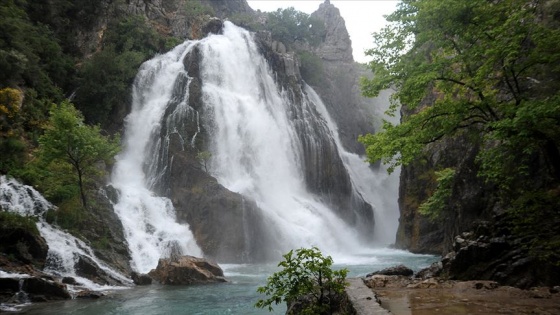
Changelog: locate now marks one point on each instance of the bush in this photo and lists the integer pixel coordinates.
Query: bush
(306, 280)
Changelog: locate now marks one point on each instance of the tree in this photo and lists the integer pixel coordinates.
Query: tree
(485, 68)
(289, 25)
(306, 274)
(68, 141)
(488, 72)
(204, 157)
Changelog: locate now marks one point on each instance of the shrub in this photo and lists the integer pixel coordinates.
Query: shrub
(307, 279)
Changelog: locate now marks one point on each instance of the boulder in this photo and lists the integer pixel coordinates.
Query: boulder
(40, 289)
(187, 270)
(433, 271)
(140, 278)
(213, 26)
(88, 294)
(400, 270)
(87, 268)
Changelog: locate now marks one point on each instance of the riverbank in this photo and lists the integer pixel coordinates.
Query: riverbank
(404, 296)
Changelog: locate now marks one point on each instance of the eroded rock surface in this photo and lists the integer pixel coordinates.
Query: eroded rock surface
(187, 270)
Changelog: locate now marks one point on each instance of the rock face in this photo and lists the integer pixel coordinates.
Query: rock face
(26, 246)
(35, 289)
(105, 232)
(339, 87)
(337, 45)
(187, 270)
(471, 199)
(493, 254)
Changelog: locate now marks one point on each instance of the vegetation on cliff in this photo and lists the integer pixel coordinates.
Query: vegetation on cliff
(485, 71)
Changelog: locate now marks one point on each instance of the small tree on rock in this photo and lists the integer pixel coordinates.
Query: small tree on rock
(307, 281)
(68, 140)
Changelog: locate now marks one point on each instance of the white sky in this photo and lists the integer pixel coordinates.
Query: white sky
(362, 17)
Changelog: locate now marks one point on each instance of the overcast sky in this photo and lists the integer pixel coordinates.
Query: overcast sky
(362, 17)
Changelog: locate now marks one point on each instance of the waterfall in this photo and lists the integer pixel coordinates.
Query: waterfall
(262, 144)
(149, 220)
(376, 186)
(255, 146)
(65, 250)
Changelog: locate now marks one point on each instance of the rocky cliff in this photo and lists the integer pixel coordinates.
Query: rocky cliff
(340, 89)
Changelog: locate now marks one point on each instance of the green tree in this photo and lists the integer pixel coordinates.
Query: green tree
(204, 157)
(68, 141)
(289, 25)
(485, 72)
(106, 78)
(306, 274)
(486, 68)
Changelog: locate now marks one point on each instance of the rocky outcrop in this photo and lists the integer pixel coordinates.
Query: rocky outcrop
(490, 252)
(23, 244)
(339, 85)
(400, 270)
(18, 288)
(337, 45)
(104, 232)
(187, 270)
(471, 200)
(141, 279)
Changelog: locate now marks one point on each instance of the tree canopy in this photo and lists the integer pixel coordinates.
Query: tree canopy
(68, 141)
(490, 68)
(481, 71)
(289, 25)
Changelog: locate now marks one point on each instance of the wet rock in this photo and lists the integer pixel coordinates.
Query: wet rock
(69, 280)
(187, 270)
(140, 279)
(88, 294)
(213, 26)
(400, 270)
(26, 246)
(40, 289)
(8, 288)
(377, 281)
(87, 268)
(433, 271)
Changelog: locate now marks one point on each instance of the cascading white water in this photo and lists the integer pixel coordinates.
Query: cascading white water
(149, 220)
(376, 186)
(64, 249)
(256, 151)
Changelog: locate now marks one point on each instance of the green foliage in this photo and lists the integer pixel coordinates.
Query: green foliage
(10, 221)
(312, 70)
(305, 274)
(106, 78)
(484, 67)
(289, 25)
(535, 219)
(69, 215)
(204, 157)
(69, 143)
(194, 9)
(436, 204)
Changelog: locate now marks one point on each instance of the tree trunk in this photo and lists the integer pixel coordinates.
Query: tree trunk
(81, 185)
